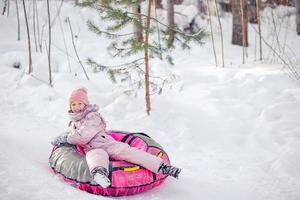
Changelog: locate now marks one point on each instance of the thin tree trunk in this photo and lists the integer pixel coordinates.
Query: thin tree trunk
(255, 39)
(277, 32)
(211, 33)
(18, 19)
(72, 35)
(170, 18)
(8, 3)
(147, 82)
(137, 27)
(64, 39)
(258, 3)
(243, 13)
(38, 27)
(33, 23)
(158, 32)
(297, 4)
(237, 24)
(28, 37)
(58, 13)
(49, 45)
(221, 32)
(4, 7)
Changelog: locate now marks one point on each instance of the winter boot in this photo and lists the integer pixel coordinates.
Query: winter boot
(100, 175)
(169, 170)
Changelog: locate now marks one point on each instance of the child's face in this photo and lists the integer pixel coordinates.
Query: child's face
(77, 106)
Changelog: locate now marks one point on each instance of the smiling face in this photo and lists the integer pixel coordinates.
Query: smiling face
(77, 106)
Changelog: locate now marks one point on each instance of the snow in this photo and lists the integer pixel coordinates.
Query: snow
(234, 131)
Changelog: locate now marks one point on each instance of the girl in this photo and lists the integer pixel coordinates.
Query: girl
(88, 129)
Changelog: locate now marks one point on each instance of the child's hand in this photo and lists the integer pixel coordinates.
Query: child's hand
(60, 140)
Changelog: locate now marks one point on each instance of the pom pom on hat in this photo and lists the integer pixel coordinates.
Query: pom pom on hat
(79, 94)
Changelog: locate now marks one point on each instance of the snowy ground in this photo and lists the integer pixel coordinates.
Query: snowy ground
(234, 131)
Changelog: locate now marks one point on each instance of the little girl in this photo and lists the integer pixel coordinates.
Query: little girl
(88, 129)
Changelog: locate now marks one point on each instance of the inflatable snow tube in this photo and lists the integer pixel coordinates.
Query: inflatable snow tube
(126, 178)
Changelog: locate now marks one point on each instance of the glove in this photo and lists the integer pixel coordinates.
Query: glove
(60, 140)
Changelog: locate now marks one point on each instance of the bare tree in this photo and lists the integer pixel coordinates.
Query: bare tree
(18, 19)
(211, 33)
(8, 3)
(239, 31)
(221, 31)
(158, 31)
(243, 4)
(74, 46)
(49, 44)
(38, 27)
(146, 58)
(170, 18)
(297, 4)
(28, 38)
(33, 24)
(57, 13)
(136, 8)
(4, 7)
(64, 38)
(258, 6)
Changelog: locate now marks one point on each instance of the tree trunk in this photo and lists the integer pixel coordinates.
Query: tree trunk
(4, 7)
(18, 19)
(8, 4)
(239, 26)
(211, 33)
(147, 82)
(252, 11)
(221, 31)
(28, 38)
(170, 18)
(297, 4)
(33, 24)
(158, 4)
(38, 28)
(74, 47)
(137, 27)
(49, 45)
(258, 6)
(201, 7)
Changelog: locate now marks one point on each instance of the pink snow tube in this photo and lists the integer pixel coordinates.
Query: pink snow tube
(126, 178)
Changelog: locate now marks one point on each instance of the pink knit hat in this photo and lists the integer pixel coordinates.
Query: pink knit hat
(79, 94)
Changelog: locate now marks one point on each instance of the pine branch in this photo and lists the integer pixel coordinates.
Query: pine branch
(120, 67)
(119, 14)
(116, 70)
(94, 28)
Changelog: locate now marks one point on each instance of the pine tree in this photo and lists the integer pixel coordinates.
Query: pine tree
(127, 45)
